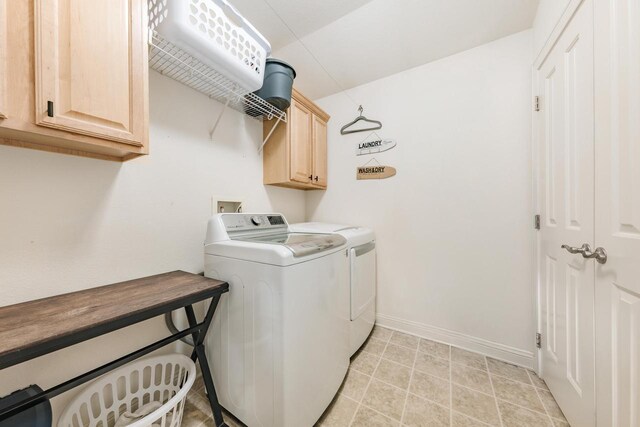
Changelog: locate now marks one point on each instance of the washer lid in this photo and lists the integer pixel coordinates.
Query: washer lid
(320, 227)
(300, 244)
(355, 235)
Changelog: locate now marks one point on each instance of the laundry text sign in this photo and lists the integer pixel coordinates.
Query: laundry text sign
(375, 172)
(377, 145)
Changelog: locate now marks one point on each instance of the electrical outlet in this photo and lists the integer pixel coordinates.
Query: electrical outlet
(226, 204)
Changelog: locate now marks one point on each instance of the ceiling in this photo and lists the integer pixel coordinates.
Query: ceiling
(339, 44)
(302, 17)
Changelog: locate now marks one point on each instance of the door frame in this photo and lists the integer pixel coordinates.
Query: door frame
(553, 38)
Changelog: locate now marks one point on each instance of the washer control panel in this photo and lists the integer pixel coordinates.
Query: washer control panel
(246, 222)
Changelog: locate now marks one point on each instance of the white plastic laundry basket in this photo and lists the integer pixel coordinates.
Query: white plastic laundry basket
(215, 33)
(165, 379)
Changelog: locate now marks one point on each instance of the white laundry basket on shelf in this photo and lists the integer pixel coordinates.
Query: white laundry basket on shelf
(165, 379)
(214, 33)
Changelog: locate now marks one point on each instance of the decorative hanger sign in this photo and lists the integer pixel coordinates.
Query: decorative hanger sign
(376, 171)
(376, 124)
(374, 144)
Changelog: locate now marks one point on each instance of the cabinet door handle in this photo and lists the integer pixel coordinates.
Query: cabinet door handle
(311, 177)
(316, 178)
(50, 108)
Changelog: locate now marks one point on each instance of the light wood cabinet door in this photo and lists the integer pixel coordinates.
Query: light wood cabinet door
(319, 150)
(3, 59)
(90, 63)
(296, 153)
(301, 156)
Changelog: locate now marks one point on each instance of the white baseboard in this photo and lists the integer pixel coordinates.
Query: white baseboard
(503, 352)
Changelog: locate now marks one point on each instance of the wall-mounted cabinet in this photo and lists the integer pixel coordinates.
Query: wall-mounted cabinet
(319, 150)
(296, 154)
(78, 77)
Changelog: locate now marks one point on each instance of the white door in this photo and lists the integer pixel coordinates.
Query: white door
(617, 175)
(566, 175)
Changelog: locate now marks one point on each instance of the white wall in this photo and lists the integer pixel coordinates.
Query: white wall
(69, 223)
(547, 16)
(454, 227)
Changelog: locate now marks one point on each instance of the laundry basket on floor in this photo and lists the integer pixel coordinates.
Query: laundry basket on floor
(163, 380)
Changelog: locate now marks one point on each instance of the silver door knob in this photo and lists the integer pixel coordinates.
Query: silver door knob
(585, 248)
(599, 254)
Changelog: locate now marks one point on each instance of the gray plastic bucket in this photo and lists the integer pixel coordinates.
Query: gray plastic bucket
(278, 82)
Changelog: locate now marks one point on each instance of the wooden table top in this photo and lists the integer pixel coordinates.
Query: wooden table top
(38, 327)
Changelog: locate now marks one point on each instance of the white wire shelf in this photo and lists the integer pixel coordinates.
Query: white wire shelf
(173, 62)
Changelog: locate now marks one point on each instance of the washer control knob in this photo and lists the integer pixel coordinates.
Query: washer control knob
(256, 220)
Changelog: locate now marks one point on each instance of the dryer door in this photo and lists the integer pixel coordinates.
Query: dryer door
(363, 277)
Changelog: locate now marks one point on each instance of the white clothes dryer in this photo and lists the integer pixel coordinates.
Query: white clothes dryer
(362, 276)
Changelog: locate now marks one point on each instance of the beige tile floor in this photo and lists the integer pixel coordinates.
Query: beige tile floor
(398, 379)
(197, 412)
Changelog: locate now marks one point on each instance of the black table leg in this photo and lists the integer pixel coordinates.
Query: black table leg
(199, 354)
(211, 390)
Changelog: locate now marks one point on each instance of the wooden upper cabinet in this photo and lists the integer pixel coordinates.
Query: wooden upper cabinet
(296, 154)
(301, 166)
(77, 81)
(3, 58)
(319, 151)
(88, 68)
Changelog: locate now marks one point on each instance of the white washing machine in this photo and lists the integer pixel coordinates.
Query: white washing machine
(279, 342)
(362, 278)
